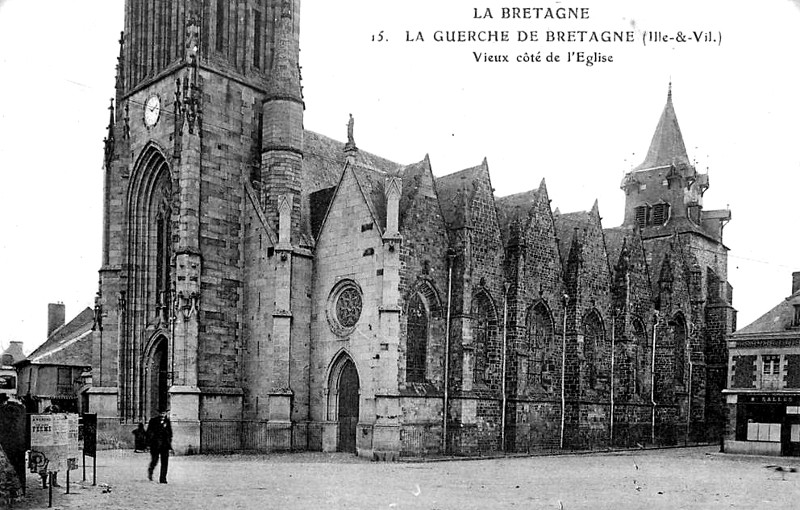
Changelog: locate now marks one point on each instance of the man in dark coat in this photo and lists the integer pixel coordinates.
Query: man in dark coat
(159, 438)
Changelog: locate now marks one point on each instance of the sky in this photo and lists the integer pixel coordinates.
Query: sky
(579, 127)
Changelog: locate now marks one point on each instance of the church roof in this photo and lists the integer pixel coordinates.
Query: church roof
(667, 145)
(566, 226)
(616, 239)
(71, 344)
(413, 177)
(455, 193)
(513, 210)
(323, 162)
(324, 157)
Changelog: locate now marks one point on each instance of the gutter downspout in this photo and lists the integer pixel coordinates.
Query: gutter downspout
(563, 365)
(613, 355)
(653, 385)
(121, 400)
(503, 380)
(689, 396)
(445, 400)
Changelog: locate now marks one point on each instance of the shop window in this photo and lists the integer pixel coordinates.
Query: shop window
(767, 432)
(8, 382)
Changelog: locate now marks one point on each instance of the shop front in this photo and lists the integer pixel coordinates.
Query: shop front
(765, 424)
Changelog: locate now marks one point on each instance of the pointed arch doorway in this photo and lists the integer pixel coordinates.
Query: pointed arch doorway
(347, 397)
(157, 380)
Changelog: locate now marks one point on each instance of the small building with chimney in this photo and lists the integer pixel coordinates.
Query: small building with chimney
(54, 372)
(763, 393)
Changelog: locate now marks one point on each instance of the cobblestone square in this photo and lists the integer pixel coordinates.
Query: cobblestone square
(652, 479)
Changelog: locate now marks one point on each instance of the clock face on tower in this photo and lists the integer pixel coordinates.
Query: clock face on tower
(152, 109)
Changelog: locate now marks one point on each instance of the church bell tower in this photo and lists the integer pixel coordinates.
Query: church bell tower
(187, 135)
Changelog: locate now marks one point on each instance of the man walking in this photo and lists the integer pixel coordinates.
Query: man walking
(159, 438)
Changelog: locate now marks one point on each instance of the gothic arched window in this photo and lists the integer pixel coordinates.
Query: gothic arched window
(484, 325)
(679, 336)
(639, 362)
(593, 338)
(417, 339)
(539, 330)
(162, 221)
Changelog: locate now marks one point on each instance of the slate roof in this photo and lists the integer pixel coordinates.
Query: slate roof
(616, 238)
(323, 162)
(412, 177)
(566, 224)
(777, 320)
(71, 344)
(456, 191)
(513, 210)
(667, 145)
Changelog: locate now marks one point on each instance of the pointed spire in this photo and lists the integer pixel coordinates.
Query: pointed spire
(666, 147)
(120, 85)
(109, 140)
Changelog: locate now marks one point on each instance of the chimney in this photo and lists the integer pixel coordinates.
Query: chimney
(795, 281)
(55, 317)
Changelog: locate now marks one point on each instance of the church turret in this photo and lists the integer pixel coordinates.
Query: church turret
(665, 189)
(282, 122)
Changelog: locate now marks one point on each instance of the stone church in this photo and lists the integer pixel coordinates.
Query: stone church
(277, 289)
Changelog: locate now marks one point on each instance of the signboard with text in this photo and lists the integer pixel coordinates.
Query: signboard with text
(54, 442)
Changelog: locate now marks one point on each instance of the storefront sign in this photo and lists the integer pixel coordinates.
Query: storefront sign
(769, 399)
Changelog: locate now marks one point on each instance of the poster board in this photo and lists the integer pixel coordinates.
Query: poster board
(54, 442)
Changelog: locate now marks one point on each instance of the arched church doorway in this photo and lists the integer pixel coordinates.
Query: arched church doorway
(157, 382)
(347, 405)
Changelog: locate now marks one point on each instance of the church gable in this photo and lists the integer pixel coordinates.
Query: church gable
(423, 277)
(482, 212)
(542, 259)
(594, 273)
(323, 160)
(631, 277)
(350, 211)
(533, 267)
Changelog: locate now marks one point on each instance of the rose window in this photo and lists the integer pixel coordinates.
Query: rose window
(348, 307)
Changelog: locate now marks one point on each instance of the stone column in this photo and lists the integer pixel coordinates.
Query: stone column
(386, 430)
(280, 396)
(183, 353)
